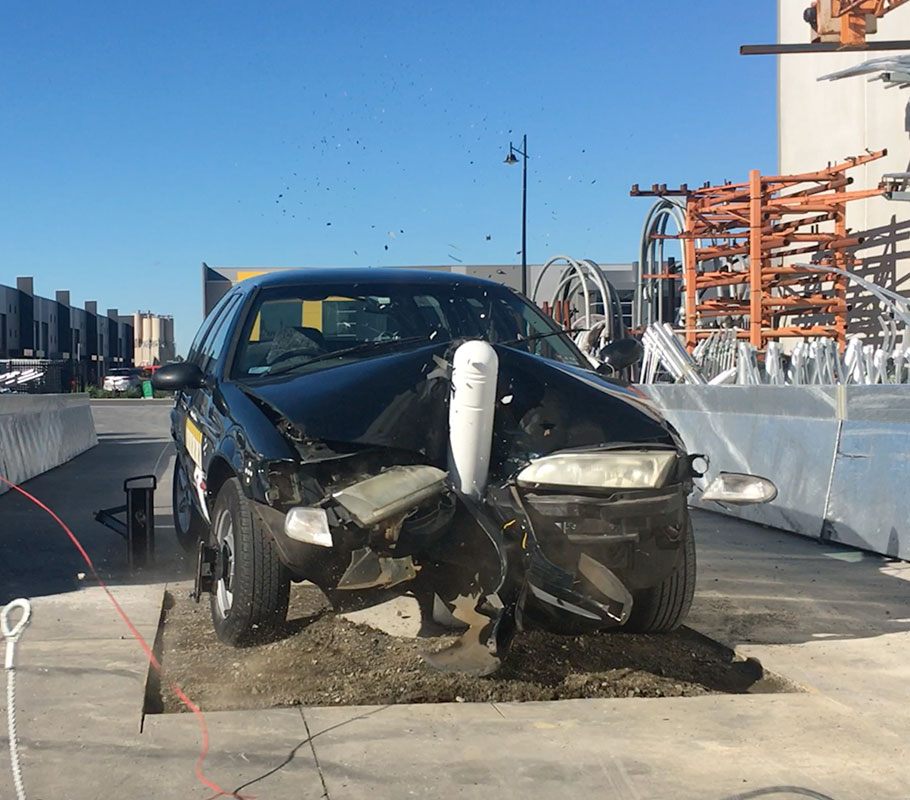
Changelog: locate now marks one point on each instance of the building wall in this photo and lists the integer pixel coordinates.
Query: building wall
(79, 329)
(127, 338)
(32, 326)
(9, 321)
(45, 328)
(826, 121)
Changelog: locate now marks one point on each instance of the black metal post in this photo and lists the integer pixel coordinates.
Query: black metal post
(524, 216)
(510, 159)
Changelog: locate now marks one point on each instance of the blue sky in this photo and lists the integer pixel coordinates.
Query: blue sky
(140, 139)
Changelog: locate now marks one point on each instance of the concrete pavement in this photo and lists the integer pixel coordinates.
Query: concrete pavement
(825, 616)
(832, 619)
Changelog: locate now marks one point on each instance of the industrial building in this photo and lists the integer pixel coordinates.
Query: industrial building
(216, 281)
(154, 339)
(83, 341)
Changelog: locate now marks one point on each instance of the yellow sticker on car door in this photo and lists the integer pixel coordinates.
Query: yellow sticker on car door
(193, 442)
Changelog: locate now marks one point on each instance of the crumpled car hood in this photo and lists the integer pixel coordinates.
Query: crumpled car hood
(400, 401)
(383, 401)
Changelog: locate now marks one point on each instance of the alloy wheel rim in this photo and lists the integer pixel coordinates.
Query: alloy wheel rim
(224, 541)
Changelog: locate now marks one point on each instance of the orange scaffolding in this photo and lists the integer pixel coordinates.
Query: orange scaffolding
(850, 18)
(769, 220)
(837, 26)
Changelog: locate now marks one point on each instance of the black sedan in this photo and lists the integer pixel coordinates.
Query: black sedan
(390, 430)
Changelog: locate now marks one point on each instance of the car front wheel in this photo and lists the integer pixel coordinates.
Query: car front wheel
(251, 590)
(664, 607)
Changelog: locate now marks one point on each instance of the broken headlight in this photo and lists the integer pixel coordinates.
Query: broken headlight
(308, 525)
(389, 493)
(605, 469)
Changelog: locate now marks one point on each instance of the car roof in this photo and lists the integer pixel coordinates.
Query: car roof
(409, 277)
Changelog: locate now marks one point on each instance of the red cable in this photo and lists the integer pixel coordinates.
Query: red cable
(181, 695)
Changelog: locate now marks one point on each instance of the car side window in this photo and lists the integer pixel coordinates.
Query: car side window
(522, 319)
(211, 348)
(199, 342)
(431, 311)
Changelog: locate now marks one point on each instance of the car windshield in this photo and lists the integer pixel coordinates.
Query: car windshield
(303, 328)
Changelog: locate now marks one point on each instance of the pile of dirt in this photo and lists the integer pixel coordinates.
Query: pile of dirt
(327, 660)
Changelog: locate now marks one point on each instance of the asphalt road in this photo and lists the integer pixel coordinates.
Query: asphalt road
(36, 556)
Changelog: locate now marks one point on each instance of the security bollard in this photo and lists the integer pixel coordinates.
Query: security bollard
(139, 528)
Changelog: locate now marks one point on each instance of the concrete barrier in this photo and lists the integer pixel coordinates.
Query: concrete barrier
(839, 455)
(40, 432)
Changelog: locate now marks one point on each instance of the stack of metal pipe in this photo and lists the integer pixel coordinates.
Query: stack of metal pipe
(720, 359)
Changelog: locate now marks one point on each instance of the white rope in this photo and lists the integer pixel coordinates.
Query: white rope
(11, 632)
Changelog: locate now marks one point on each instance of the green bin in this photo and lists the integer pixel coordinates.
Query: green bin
(147, 391)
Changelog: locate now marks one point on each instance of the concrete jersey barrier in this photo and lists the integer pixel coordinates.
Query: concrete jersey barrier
(839, 455)
(40, 432)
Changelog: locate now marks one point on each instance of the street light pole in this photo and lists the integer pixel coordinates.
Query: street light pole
(524, 216)
(510, 159)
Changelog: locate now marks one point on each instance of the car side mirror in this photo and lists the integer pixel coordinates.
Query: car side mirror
(177, 376)
(620, 354)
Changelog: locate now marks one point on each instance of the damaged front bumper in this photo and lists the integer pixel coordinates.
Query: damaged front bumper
(586, 554)
(374, 524)
(566, 559)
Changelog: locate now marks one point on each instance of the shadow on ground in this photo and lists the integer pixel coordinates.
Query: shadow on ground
(762, 585)
(37, 557)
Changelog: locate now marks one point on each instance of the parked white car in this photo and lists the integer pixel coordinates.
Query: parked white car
(122, 379)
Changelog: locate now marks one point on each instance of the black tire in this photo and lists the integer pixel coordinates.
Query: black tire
(250, 597)
(189, 525)
(664, 607)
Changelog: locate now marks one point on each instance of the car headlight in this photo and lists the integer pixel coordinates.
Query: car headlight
(607, 469)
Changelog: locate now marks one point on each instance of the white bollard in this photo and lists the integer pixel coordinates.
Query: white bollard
(474, 372)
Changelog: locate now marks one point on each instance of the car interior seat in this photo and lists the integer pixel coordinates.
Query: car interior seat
(313, 334)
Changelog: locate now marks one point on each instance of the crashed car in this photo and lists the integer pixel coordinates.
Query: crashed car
(375, 431)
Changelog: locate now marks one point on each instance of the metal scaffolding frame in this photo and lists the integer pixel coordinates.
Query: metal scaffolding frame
(739, 240)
